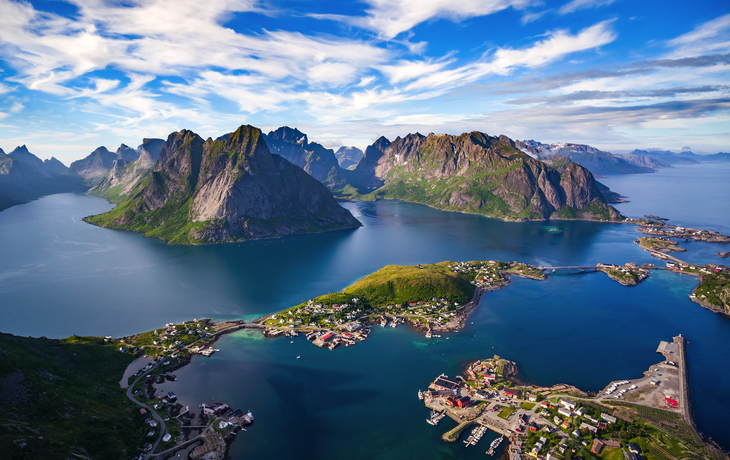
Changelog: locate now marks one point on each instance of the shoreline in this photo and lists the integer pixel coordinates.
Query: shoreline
(537, 407)
(153, 374)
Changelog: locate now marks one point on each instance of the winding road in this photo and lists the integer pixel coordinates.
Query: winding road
(154, 414)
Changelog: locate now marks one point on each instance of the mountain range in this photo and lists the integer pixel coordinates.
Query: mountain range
(247, 184)
(24, 176)
(229, 189)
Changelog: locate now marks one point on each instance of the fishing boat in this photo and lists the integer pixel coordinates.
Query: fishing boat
(420, 395)
(493, 446)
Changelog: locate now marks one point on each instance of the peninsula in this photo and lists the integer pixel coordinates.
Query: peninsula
(431, 298)
(64, 398)
(649, 416)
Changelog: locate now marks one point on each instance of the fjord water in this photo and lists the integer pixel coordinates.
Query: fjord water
(60, 276)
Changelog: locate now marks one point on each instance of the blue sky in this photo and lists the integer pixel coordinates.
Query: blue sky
(615, 74)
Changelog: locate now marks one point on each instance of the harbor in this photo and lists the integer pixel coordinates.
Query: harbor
(542, 423)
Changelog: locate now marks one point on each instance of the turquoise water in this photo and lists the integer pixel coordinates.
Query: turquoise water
(59, 276)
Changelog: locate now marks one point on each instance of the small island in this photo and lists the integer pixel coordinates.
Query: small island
(659, 244)
(648, 416)
(431, 298)
(713, 291)
(628, 275)
(663, 230)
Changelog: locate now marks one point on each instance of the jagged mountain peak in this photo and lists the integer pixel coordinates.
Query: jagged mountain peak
(227, 189)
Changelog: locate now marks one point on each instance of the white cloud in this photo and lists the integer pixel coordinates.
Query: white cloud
(408, 70)
(710, 37)
(558, 44)
(16, 107)
(532, 17)
(389, 18)
(576, 5)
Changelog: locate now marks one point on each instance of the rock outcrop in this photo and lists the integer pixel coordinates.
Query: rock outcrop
(229, 189)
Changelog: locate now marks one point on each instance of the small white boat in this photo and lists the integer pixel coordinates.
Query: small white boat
(298, 357)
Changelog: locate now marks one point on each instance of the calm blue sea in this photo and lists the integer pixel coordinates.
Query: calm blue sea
(60, 276)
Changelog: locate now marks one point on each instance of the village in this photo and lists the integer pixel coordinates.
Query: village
(562, 422)
(174, 428)
(661, 229)
(329, 325)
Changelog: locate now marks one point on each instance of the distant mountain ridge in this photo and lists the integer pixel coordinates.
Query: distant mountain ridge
(124, 175)
(595, 160)
(316, 160)
(681, 158)
(24, 176)
(230, 189)
(348, 156)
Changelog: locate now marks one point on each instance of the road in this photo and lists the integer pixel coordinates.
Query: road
(153, 413)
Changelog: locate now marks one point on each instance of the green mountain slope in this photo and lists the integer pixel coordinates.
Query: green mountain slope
(62, 399)
(229, 189)
(476, 173)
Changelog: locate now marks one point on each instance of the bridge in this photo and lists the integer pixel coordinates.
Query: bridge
(577, 267)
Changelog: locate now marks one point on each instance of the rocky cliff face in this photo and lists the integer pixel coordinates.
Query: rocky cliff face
(478, 173)
(229, 189)
(319, 162)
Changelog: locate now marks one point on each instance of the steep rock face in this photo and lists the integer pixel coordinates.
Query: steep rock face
(364, 175)
(229, 189)
(478, 173)
(95, 165)
(294, 146)
(348, 156)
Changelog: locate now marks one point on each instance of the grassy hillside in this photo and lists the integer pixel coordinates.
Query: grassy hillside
(408, 283)
(716, 289)
(62, 399)
(401, 284)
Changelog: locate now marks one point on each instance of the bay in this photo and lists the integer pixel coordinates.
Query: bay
(60, 276)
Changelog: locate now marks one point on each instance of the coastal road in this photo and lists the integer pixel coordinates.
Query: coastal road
(154, 414)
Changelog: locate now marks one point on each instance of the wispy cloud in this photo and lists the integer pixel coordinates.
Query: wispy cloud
(576, 5)
(709, 37)
(389, 18)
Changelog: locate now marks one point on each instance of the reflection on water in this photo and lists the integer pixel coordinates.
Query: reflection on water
(59, 275)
